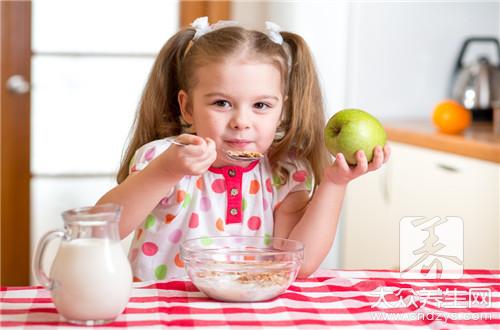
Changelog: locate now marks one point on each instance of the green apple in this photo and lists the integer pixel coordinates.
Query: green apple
(350, 130)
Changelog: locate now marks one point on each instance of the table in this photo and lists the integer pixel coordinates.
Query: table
(375, 299)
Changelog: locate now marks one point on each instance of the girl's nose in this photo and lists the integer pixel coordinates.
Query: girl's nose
(240, 120)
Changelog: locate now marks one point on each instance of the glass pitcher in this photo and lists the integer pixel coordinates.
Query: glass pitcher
(90, 279)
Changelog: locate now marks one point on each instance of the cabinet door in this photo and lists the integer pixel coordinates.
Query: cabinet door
(431, 183)
(421, 182)
(370, 234)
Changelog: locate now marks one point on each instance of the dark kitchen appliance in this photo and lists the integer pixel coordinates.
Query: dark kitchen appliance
(477, 85)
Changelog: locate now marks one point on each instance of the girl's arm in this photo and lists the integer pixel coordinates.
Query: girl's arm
(140, 192)
(317, 225)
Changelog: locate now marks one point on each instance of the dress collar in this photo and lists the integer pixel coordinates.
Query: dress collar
(224, 169)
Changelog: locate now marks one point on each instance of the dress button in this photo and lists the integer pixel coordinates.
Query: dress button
(231, 172)
(234, 192)
(233, 211)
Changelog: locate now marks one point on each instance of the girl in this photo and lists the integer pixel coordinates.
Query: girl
(217, 88)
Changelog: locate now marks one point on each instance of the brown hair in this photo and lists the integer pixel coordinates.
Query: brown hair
(303, 113)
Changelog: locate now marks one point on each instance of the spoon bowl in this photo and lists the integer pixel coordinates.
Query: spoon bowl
(245, 156)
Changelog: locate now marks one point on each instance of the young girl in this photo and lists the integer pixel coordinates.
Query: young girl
(217, 88)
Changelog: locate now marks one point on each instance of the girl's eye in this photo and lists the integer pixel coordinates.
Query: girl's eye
(261, 106)
(221, 103)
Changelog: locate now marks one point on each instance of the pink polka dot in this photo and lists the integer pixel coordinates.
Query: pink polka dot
(265, 204)
(164, 202)
(149, 154)
(205, 204)
(194, 220)
(149, 248)
(300, 176)
(175, 236)
(269, 185)
(254, 223)
(219, 186)
(133, 254)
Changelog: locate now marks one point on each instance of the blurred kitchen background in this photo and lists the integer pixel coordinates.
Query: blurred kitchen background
(90, 60)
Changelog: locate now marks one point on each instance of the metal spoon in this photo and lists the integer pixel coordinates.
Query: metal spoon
(230, 154)
(174, 141)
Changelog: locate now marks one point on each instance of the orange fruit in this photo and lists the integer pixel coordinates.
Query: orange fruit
(451, 117)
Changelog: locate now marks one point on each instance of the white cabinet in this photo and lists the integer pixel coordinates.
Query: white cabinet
(422, 182)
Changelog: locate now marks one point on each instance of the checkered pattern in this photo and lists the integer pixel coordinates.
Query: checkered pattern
(328, 298)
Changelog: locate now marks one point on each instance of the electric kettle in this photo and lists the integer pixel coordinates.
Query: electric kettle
(477, 84)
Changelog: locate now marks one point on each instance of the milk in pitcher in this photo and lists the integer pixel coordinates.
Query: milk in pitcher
(92, 279)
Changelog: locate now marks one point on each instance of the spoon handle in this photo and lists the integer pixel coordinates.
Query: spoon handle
(174, 141)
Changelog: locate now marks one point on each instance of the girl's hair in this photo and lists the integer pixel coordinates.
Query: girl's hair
(302, 121)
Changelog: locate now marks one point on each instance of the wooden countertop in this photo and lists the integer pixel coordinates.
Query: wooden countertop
(477, 141)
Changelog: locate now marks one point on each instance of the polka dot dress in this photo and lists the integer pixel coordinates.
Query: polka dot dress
(230, 200)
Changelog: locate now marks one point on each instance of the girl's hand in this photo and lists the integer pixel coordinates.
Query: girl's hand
(341, 173)
(193, 159)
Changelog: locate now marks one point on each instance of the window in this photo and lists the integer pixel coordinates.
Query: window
(90, 62)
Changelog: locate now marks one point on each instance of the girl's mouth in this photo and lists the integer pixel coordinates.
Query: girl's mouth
(238, 144)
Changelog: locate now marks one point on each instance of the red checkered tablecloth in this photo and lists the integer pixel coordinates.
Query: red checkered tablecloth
(374, 299)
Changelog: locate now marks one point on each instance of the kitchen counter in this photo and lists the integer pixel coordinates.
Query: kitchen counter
(477, 141)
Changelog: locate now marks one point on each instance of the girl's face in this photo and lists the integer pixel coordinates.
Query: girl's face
(236, 103)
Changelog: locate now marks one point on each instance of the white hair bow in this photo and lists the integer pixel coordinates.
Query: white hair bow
(273, 32)
(202, 27)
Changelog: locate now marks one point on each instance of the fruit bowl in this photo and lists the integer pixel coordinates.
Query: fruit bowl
(242, 268)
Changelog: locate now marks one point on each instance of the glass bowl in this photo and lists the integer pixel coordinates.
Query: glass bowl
(242, 268)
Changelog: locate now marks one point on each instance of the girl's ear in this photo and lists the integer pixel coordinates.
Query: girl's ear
(186, 114)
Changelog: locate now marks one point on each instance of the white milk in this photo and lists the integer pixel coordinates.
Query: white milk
(92, 279)
(228, 289)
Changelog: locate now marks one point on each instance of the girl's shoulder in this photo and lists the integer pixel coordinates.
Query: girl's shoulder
(146, 153)
(292, 173)
(292, 162)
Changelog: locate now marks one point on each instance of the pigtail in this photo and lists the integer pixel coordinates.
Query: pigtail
(159, 112)
(305, 118)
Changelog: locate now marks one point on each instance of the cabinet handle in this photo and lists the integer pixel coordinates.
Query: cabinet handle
(448, 168)
(385, 183)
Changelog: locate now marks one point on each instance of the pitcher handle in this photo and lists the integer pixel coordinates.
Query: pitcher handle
(40, 251)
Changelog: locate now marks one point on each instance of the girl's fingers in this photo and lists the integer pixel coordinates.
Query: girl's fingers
(211, 153)
(378, 158)
(210, 144)
(190, 139)
(362, 165)
(204, 154)
(341, 162)
(387, 152)
(209, 160)
(197, 146)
